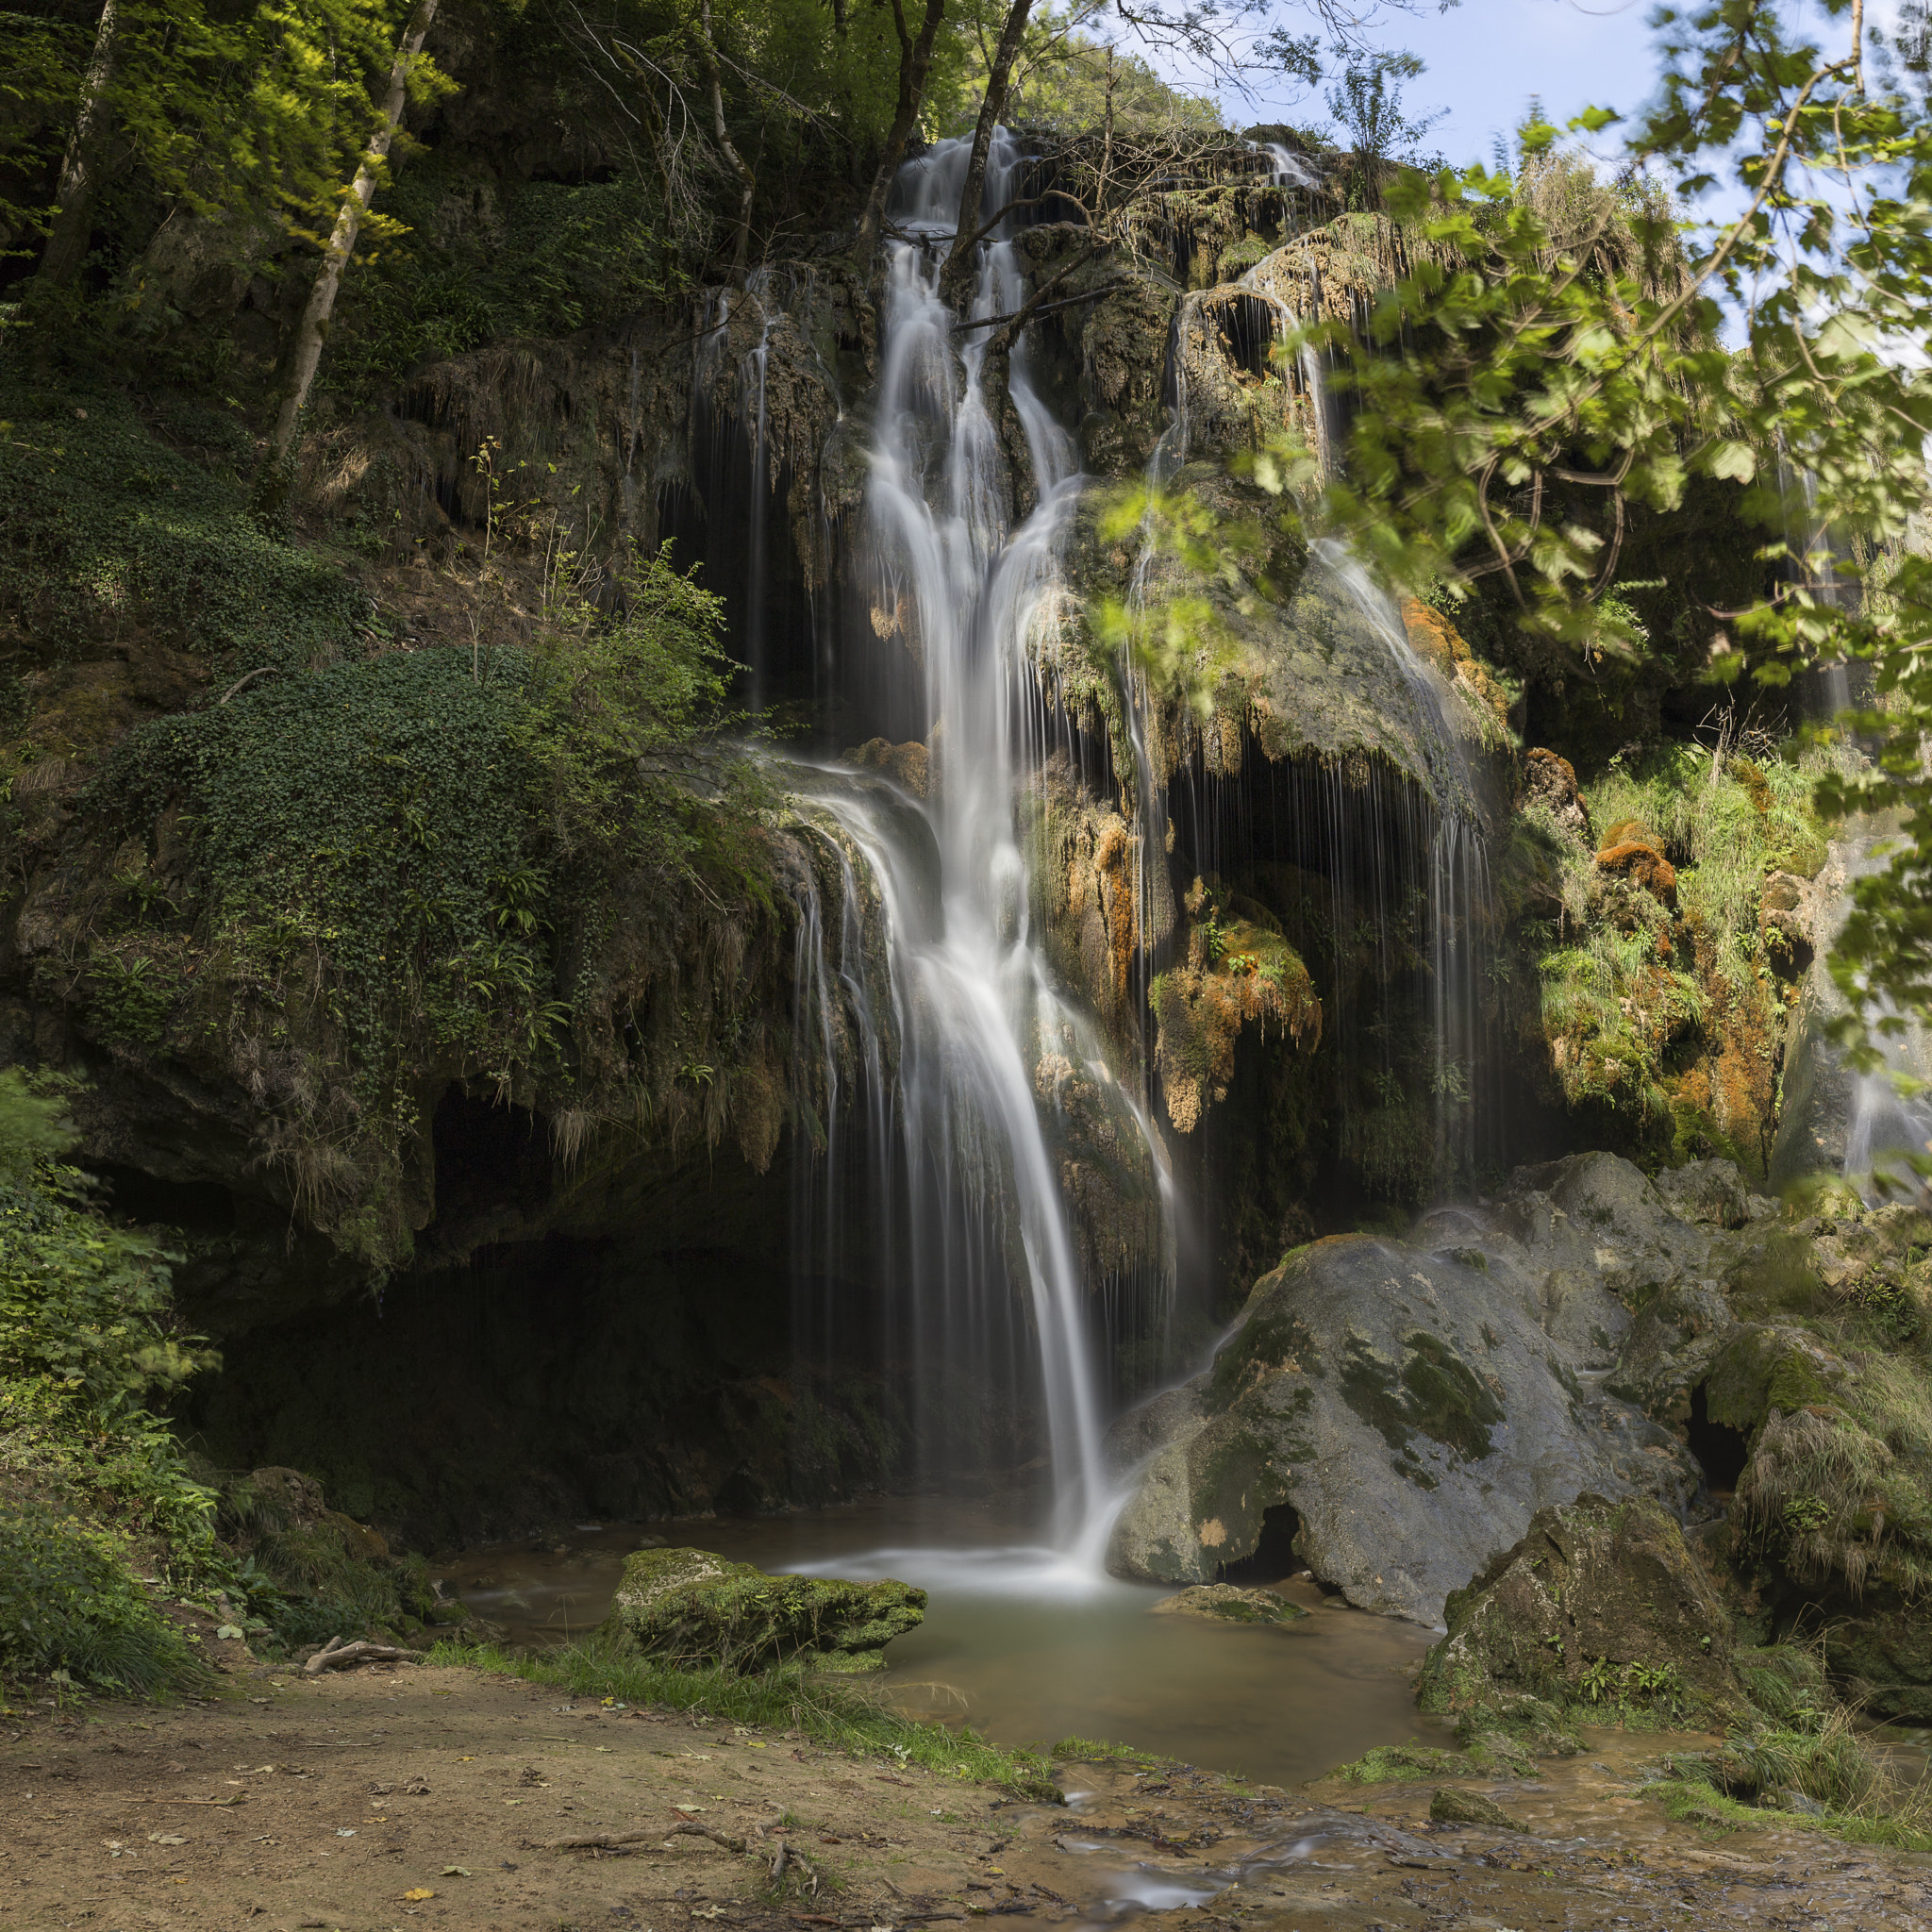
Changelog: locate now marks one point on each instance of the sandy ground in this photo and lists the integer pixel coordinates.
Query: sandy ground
(386, 1798)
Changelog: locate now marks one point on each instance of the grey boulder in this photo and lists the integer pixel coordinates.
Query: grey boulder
(1412, 1409)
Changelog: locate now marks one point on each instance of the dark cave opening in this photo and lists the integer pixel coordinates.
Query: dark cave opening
(1274, 1555)
(489, 1158)
(1247, 330)
(1721, 1451)
(198, 1207)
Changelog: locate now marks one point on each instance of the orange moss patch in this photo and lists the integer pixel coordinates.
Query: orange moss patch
(1432, 636)
(905, 765)
(1641, 864)
(1200, 1009)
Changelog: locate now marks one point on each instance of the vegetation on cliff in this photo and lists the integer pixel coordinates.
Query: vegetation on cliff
(95, 1495)
(1658, 910)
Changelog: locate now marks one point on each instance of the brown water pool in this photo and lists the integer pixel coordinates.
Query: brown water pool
(1024, 1643)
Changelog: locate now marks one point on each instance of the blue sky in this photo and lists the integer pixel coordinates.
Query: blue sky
(1486, 58)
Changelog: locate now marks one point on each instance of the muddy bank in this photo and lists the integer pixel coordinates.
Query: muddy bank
(433, 1794)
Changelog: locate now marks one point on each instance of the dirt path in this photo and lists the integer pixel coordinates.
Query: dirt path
(419, 1796)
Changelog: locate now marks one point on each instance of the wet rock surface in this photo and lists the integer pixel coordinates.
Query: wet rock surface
(1598, 1601)
(1231, 1603)
(1404, 1408)
(1413, 1404)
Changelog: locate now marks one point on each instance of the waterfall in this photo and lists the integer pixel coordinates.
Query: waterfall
(1814, 563)
(1286, 168)
(1460, 900)
(927, 1011)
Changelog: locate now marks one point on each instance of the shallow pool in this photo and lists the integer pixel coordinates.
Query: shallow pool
(1023, 1644)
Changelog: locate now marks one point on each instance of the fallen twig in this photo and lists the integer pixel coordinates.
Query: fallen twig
(611, 1841)
(337, 1655)
(247, 679)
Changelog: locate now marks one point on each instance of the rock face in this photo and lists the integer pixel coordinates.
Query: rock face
(1414, 1405)
(691, 1607)
(1600, 1604)
(1550, 780)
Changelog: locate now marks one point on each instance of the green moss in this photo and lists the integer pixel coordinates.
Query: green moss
(1796, 1384)
(1493, 1753)
(1271, 1342)
(1092, 1751)
(1661, 1022)
(387, 876)
(1435, 1392)
(692, 1609)
(107, 532)
(1839, 1483)
(1406, 1764)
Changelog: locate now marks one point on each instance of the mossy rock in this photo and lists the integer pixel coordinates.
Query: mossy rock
(694, 1608)
(1600, 1612)
(1231, 1603)
(1448, 1805)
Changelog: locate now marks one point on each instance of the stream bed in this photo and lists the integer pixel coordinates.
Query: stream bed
(1023, 1645)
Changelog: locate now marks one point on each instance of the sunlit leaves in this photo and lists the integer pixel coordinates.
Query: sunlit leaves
(1554, 355)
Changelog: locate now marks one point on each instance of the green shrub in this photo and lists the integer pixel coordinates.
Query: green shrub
(71, 1602)
(91, 1483)
(390, 868)
(487, 261)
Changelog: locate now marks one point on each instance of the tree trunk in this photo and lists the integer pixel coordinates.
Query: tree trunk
(915, 59)
(306, 354)
(990, 109)
(80, 169)
(708, 53)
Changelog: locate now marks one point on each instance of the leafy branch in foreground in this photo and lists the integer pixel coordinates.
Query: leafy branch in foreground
(1530, 379)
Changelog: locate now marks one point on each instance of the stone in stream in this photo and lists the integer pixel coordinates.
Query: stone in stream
(694, 1608)
(1405, 1407)
(1231, 1603)
(1449, 1806)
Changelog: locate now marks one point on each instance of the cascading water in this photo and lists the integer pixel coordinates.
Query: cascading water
(1814, 552)
(1460, 911)
(944, 1022)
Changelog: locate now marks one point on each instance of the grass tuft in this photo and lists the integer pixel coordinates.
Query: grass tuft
(786, 1698)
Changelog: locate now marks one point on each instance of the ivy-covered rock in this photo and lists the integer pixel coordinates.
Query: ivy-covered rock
(1601, 1609)
(692, 1609)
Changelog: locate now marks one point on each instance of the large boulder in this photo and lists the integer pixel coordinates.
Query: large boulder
(1407, 1411)
(1602, 1607)
(694, 1608)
